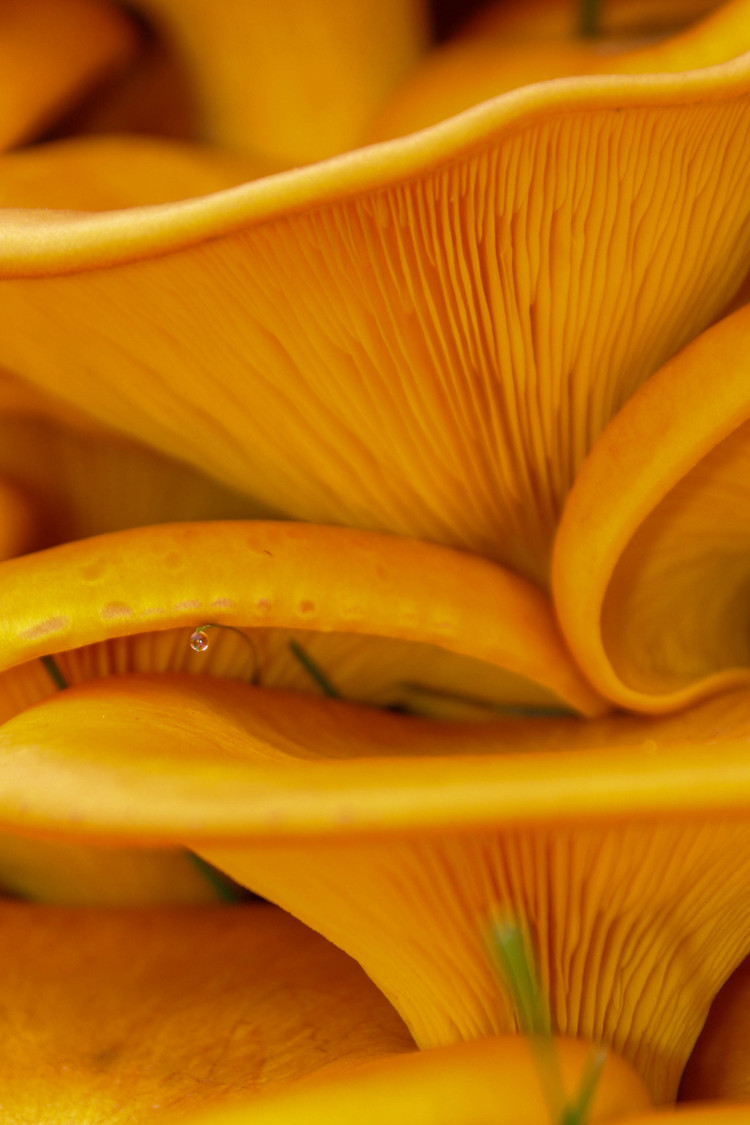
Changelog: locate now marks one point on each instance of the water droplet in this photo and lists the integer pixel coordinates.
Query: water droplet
(199, 641)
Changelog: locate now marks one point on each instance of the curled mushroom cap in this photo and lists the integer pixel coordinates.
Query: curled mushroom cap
(488, 1082)
(290, 84)
(520, 271)
(393, 621)
(622, 845)
(51, 52)
(509, 44)
(396, 623)
(650, 575)
(122, 1015)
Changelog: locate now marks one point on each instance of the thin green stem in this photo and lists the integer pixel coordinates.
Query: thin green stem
(225, 890)
(54, 672)
(312, 669)
(578, 1111)
(514, 956)
(516, 962)
(487, 704)
(248, 640)
(589, 18)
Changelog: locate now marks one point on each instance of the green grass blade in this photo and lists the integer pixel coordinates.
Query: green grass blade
(54, 672)
(312, 669)
(515, 959)
(578, 1111)
(224, 888)
(516, 962)
(589, 18)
